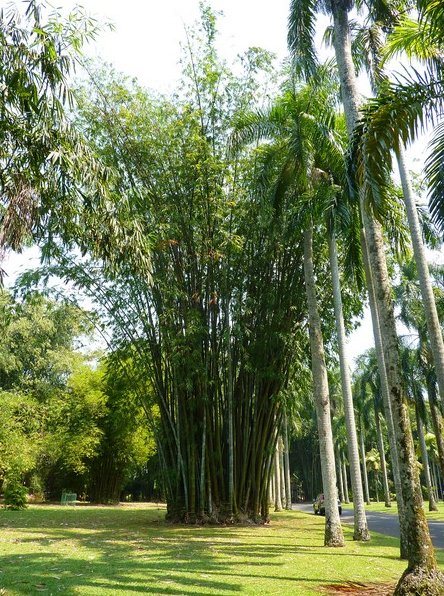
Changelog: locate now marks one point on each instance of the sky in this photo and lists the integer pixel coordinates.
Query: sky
(147, 36)
(145, 43)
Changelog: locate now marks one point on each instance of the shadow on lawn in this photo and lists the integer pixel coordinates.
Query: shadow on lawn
(127, 551)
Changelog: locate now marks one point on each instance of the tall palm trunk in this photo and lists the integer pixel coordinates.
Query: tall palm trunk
(436, 416)
(333, 529)
(421, 558)
(421, 568)
(282, 468)
(287, 464)
(436, 481)
(360, 521)
(438, 428)
(350, 100)
(345, 480)
(277, 481)
(339, 474)
(364, 469)
(385, 394)
(440, 482)
(385, 484)
(425, 460)
(428, 299)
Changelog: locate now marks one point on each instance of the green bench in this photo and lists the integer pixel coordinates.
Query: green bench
(69, 498)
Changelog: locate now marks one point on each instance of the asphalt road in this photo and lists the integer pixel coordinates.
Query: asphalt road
(384, 523)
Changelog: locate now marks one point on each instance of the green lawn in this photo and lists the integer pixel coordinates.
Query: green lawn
(380, 507)
(131, 550)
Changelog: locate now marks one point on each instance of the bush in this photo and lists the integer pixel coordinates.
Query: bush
(15, 495)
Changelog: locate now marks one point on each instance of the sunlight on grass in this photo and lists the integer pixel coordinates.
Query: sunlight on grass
(381, 508)
(132, 550)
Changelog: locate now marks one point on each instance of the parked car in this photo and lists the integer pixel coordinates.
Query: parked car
(319, 507)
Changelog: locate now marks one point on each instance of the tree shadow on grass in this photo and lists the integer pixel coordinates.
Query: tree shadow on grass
(106, 551)
(118, 551)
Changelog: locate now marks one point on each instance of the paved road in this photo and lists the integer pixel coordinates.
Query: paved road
(384, 523)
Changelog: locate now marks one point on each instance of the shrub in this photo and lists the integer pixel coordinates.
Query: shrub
(15, 495)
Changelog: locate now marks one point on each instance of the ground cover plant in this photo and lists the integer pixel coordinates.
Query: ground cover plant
(131, 549)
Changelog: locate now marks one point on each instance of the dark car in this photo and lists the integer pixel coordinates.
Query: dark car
(319, 507)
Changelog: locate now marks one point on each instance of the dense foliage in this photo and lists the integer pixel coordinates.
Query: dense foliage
(60, 413)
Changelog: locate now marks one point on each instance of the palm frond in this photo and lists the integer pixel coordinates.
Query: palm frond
(413, 39)
(389, 121)
(433, 11)
(301, 36)
(367, 44)
(250, 127)
(434, 174)
(384, 12)
(430, 235)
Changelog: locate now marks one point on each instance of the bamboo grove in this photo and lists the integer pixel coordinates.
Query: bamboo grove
(216, 322)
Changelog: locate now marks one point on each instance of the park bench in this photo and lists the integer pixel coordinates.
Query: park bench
(68, 498)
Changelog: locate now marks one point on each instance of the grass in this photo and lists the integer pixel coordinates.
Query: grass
(130, 550)
(380, 508)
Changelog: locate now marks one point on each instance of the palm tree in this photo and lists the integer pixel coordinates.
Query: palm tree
(415, 392)
(402, 108)
(277, 480)
(421, 561)
(345, 479)
(333, 531)
(412, 315)
(360, 523)
(363, 414)
(301, 35)
(402, 35)
(367, 378)
(340, 439)
(301, 124)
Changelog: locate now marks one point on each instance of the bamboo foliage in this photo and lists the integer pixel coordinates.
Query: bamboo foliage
(213, 324)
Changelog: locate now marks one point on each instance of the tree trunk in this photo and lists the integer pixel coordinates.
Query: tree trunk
(439, 483)
(339, 474)
(428, 298)
(333, 530)
(277, 481)
(345, 480)
(385, 394)
(385, 484)
(425, 460)
(360, 521)
(287, 464)
(421, 569)
(438, 426)
(283, 483)
(231, 503)
(421, 575)
(272, 488)
(364, 469)
(376, 487)
(434, 478)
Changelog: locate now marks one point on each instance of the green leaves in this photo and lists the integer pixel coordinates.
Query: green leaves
(49, 178)
(301, 36)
